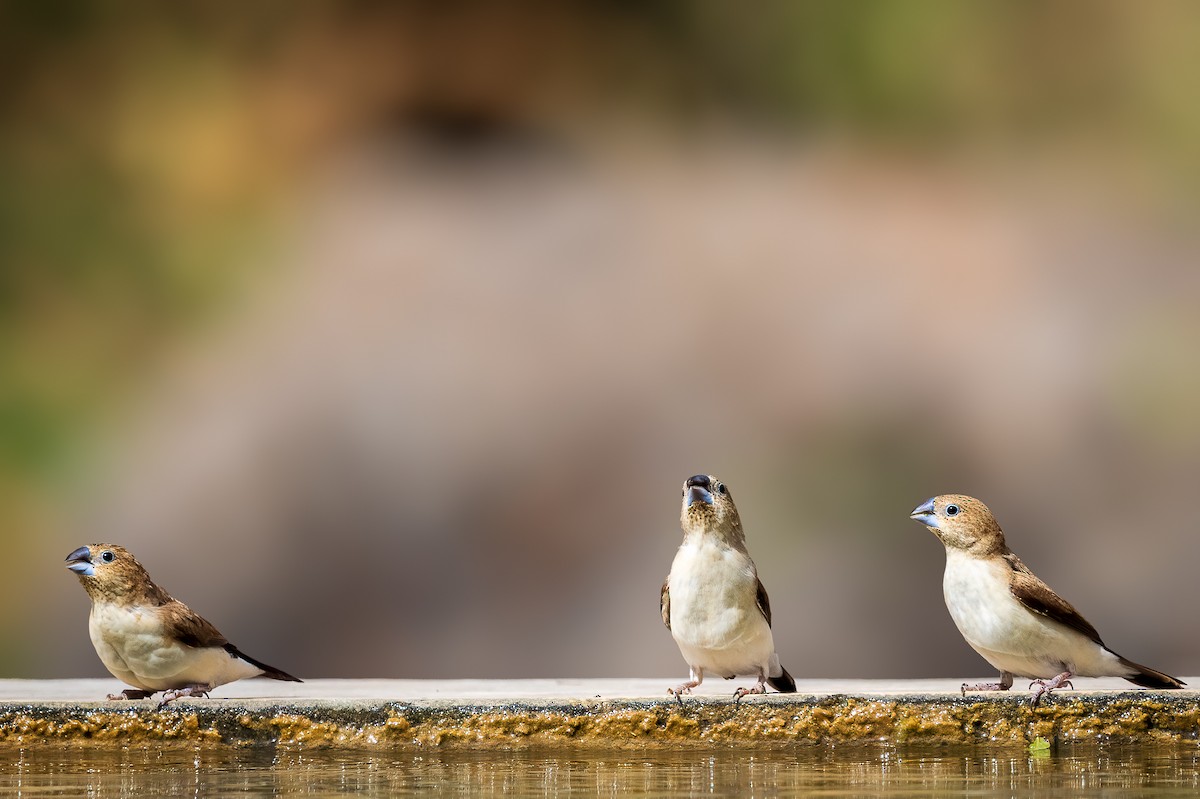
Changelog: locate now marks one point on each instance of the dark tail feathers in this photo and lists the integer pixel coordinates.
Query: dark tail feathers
(784, 683)
(1149, 678)
(268, 671)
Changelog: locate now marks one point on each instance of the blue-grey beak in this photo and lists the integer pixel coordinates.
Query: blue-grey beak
(80, 562)
(924, 514)
(698, 494)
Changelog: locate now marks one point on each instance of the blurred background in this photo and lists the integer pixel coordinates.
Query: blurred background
(385, 334)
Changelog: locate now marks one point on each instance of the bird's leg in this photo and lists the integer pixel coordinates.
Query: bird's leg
(678, 691)
(131, 693)
(760, 688)
(1046, 686)
(1006, 681)
(199, 689)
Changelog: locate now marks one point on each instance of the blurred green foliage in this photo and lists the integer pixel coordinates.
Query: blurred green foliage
(135, 154)
(106, 254)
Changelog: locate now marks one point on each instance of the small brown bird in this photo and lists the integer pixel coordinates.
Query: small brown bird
(1009, 616)
(713, 602)
(151, 640)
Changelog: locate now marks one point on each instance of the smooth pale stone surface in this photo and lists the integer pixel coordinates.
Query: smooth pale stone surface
(506, 691)
(581, 713)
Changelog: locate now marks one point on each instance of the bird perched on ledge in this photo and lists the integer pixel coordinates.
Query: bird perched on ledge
(151, 640)
(1010, 617)
(713, 602)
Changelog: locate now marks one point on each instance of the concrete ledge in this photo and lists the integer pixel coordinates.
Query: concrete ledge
(616, 713)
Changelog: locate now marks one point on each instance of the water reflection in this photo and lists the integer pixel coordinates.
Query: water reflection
(42, 771)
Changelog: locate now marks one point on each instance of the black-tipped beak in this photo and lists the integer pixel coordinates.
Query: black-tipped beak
(697, 494)
(698, 488)
(80, 562)
(924, 513)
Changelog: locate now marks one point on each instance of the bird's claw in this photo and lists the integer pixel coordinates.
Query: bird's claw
(983, 686)
(1046, 686)
(739, 693)
(179, 693)
(679, 691)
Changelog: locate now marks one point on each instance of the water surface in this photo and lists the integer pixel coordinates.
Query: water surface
(807, 771)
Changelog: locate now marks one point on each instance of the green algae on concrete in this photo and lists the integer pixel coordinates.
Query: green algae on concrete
(773, 721)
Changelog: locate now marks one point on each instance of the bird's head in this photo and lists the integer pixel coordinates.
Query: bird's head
(708, 508)
(961, 522)
(109, 572)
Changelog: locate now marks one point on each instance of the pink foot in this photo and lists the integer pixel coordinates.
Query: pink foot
(1046, 686)
(1006, 681)
(188, 690)
(760, 688)
(984, 686)
(679, 690)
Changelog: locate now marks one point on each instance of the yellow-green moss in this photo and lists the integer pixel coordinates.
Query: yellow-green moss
(781, 721)
(123, 728)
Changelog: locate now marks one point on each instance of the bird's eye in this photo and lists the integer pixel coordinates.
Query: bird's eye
(720, 488)
(107, 556)
(952, 510)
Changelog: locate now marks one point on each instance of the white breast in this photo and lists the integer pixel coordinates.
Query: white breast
(131, 644)
(715, 618)
(1010, 636)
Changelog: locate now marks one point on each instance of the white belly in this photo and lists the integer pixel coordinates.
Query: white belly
(1010, 636)
(130, 643)
(715, 618)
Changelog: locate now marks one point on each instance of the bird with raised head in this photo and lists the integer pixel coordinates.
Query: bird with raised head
(713, 602)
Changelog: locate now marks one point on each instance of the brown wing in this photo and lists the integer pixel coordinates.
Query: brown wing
(664, 603)
(764, 603)
(189, 627)
(1041, 599)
